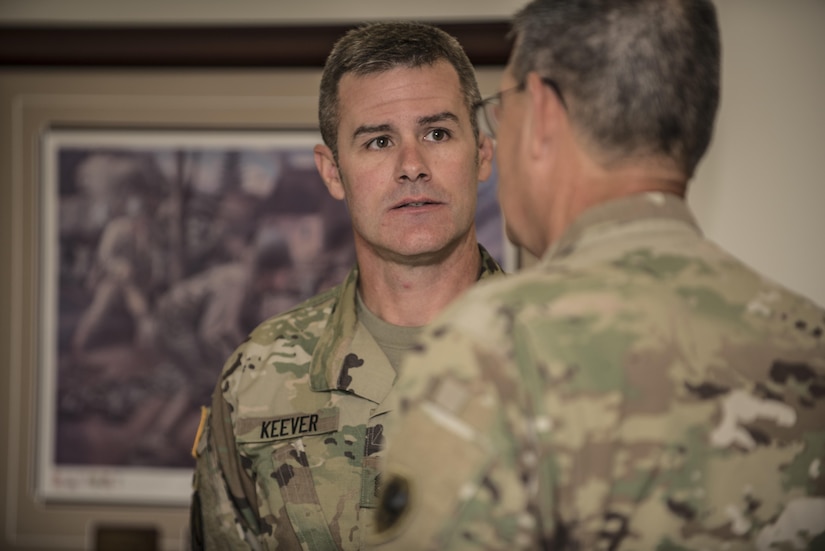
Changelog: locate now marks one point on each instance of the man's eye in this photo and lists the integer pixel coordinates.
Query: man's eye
(378, 143)
(438, 135)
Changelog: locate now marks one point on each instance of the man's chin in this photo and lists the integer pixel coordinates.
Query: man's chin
(422, 253)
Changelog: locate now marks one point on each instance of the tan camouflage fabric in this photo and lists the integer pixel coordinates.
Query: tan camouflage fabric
(289, 455)
(638, 389)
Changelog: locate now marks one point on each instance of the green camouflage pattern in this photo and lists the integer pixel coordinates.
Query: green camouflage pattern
(638, 389)
(290, 452)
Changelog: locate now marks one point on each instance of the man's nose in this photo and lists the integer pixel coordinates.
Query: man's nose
(412, 163)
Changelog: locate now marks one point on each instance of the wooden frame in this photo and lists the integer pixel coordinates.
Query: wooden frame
(207, 46)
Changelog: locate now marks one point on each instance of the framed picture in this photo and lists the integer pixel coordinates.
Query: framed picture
(161, 251)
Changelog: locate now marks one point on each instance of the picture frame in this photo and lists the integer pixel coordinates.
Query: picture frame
(162, 250)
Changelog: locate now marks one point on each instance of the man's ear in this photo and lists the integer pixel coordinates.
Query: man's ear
(486, 150)
(545, 107)
(328, 169)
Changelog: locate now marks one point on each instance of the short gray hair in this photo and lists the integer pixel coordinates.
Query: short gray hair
(640, 77)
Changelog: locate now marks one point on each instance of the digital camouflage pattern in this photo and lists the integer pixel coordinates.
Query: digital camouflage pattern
(289, 456)
(638, 389)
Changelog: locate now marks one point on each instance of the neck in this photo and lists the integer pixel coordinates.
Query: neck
(591, 184)
(412, 294)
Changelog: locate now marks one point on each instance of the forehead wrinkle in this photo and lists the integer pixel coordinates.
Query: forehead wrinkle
(438, 117)
(371, 129)
(366, 129)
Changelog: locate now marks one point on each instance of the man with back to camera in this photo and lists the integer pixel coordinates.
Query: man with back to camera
(289, 455)
(639, 388)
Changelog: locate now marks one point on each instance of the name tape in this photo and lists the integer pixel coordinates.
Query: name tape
(265, 429)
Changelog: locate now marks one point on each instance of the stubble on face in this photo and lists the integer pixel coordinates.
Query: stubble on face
(408, 162)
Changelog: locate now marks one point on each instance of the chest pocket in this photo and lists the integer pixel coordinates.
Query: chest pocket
(282, 439)
(303, 506)
(320, 479)
(321, 469)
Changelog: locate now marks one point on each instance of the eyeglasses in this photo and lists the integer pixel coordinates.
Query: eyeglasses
(489, 108)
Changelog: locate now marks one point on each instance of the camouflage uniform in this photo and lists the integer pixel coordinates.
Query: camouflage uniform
(289, 456)
(638, 389)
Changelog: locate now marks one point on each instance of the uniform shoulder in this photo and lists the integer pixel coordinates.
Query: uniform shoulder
(727, 286)
(711, 287)
(792, 310)
(299, 318)
(280, 347)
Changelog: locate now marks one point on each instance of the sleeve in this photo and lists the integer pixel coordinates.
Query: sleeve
(456, 480)
(223, 511)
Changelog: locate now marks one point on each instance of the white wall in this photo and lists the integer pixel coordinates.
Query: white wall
(760, 192)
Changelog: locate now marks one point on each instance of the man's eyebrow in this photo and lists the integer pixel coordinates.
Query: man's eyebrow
(366, 129)
(438, 117)
(370, 129)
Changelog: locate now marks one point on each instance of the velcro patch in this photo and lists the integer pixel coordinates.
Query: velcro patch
(294, 425)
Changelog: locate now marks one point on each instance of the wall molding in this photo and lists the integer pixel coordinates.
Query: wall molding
(207, 46)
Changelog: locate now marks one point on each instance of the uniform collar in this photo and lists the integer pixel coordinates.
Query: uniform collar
(604, 220)
(334, 364)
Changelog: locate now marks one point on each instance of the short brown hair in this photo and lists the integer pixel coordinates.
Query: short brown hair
(379, 47)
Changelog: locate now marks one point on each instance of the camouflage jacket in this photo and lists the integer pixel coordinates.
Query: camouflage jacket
(638, 389)
(288, 458)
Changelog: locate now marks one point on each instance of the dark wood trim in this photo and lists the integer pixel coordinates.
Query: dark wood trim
(191, 46)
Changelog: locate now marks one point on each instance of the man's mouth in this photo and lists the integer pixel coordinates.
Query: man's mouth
(415, 204)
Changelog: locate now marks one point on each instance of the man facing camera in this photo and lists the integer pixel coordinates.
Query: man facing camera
(289, 458)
